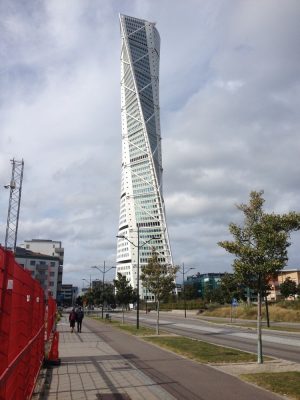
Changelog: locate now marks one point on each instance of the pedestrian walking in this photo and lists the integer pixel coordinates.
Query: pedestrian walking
(79, 318)
(72, 319)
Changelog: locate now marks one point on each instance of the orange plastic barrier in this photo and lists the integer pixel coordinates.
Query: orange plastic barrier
(22, 329)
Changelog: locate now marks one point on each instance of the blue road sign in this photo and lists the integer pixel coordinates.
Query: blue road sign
(234, 302)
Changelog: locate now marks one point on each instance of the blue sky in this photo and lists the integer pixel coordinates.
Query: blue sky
(229, 97)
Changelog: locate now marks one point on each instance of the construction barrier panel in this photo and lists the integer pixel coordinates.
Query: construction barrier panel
(23, 328)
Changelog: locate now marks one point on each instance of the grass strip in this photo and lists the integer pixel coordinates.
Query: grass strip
(284, 383)
(129, 328)
(202, 351)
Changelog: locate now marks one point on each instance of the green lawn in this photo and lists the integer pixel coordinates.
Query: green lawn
(202, 351)
(130, 328)
(284, 383)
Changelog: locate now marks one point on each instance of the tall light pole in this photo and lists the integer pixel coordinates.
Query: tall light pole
(103, 271)
(184, 299)
(138, 246)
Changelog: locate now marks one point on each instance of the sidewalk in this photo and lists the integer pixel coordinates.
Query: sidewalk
(105, 363)
(92, 370)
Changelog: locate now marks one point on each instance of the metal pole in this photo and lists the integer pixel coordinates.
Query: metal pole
(138, 280)
(259, 338)
(183, 290)
(103, 274)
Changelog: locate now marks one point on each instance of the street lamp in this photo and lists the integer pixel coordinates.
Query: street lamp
(184, 272)
(138, 246)
(103, 271)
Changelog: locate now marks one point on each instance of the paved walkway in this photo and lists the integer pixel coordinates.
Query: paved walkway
(104, 363)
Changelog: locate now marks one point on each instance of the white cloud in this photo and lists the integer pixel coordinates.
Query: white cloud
(229, 109)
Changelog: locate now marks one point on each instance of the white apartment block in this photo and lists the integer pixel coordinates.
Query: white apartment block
(48, 247)
(42, 267)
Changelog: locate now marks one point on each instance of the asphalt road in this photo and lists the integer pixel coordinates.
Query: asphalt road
(181, 378)
(284, 345)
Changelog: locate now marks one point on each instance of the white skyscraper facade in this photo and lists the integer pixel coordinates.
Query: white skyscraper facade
(141, 203)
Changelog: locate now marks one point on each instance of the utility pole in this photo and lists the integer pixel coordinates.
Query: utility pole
(15, 187)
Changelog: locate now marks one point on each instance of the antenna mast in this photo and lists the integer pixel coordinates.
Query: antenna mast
(15, 187)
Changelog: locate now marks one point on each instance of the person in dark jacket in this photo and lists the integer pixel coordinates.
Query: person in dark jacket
(79, 318)
(72, 319)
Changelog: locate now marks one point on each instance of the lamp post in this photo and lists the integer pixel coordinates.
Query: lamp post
(184, 299)
(138, 246)
(103, 271)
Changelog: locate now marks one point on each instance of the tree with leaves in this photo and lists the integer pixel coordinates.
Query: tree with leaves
(288, 288)
(191, 292)
(260, 246)
(231, 289)
(124, 292)
(159, 279)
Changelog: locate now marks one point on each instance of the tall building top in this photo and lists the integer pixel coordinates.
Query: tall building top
(130, 18)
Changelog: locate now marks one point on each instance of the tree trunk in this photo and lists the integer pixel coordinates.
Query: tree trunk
(123, 314)
(157, 320)
(259, 340)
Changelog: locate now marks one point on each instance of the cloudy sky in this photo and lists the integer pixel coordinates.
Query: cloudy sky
(229, 97)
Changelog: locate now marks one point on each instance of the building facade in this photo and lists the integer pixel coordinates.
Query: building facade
(69, 294)
(142, 211)
(51, 248)
(42, 267)
(277, 280)
(201, 282)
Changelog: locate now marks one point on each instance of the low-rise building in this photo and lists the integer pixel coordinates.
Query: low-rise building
(69, 294)
(51, 248)
(202, 281)
(42, 267)
(278, 279)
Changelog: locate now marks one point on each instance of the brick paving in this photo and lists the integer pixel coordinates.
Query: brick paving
(92, 370)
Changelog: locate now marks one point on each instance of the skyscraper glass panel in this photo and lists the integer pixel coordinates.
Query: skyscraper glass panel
(141, 201)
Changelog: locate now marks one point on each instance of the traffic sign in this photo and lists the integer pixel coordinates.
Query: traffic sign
(234, 302)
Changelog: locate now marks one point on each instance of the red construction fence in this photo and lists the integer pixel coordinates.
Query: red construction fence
(25, 326)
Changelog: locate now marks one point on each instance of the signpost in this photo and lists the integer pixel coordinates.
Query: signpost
(234, 303)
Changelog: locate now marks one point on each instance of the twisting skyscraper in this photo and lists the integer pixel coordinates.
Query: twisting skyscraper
(141, 203)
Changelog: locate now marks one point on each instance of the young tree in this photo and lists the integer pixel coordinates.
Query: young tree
(159, 279)
(190, 291)
(124, 292)
(260, 246)
(288, 288)
(231, 288)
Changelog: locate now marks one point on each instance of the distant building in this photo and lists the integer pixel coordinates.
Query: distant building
(51, 248)
(44, 268)
(69, 294)
(209, 280)
(277, 280)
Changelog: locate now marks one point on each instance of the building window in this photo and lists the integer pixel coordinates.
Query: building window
(32, 262)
